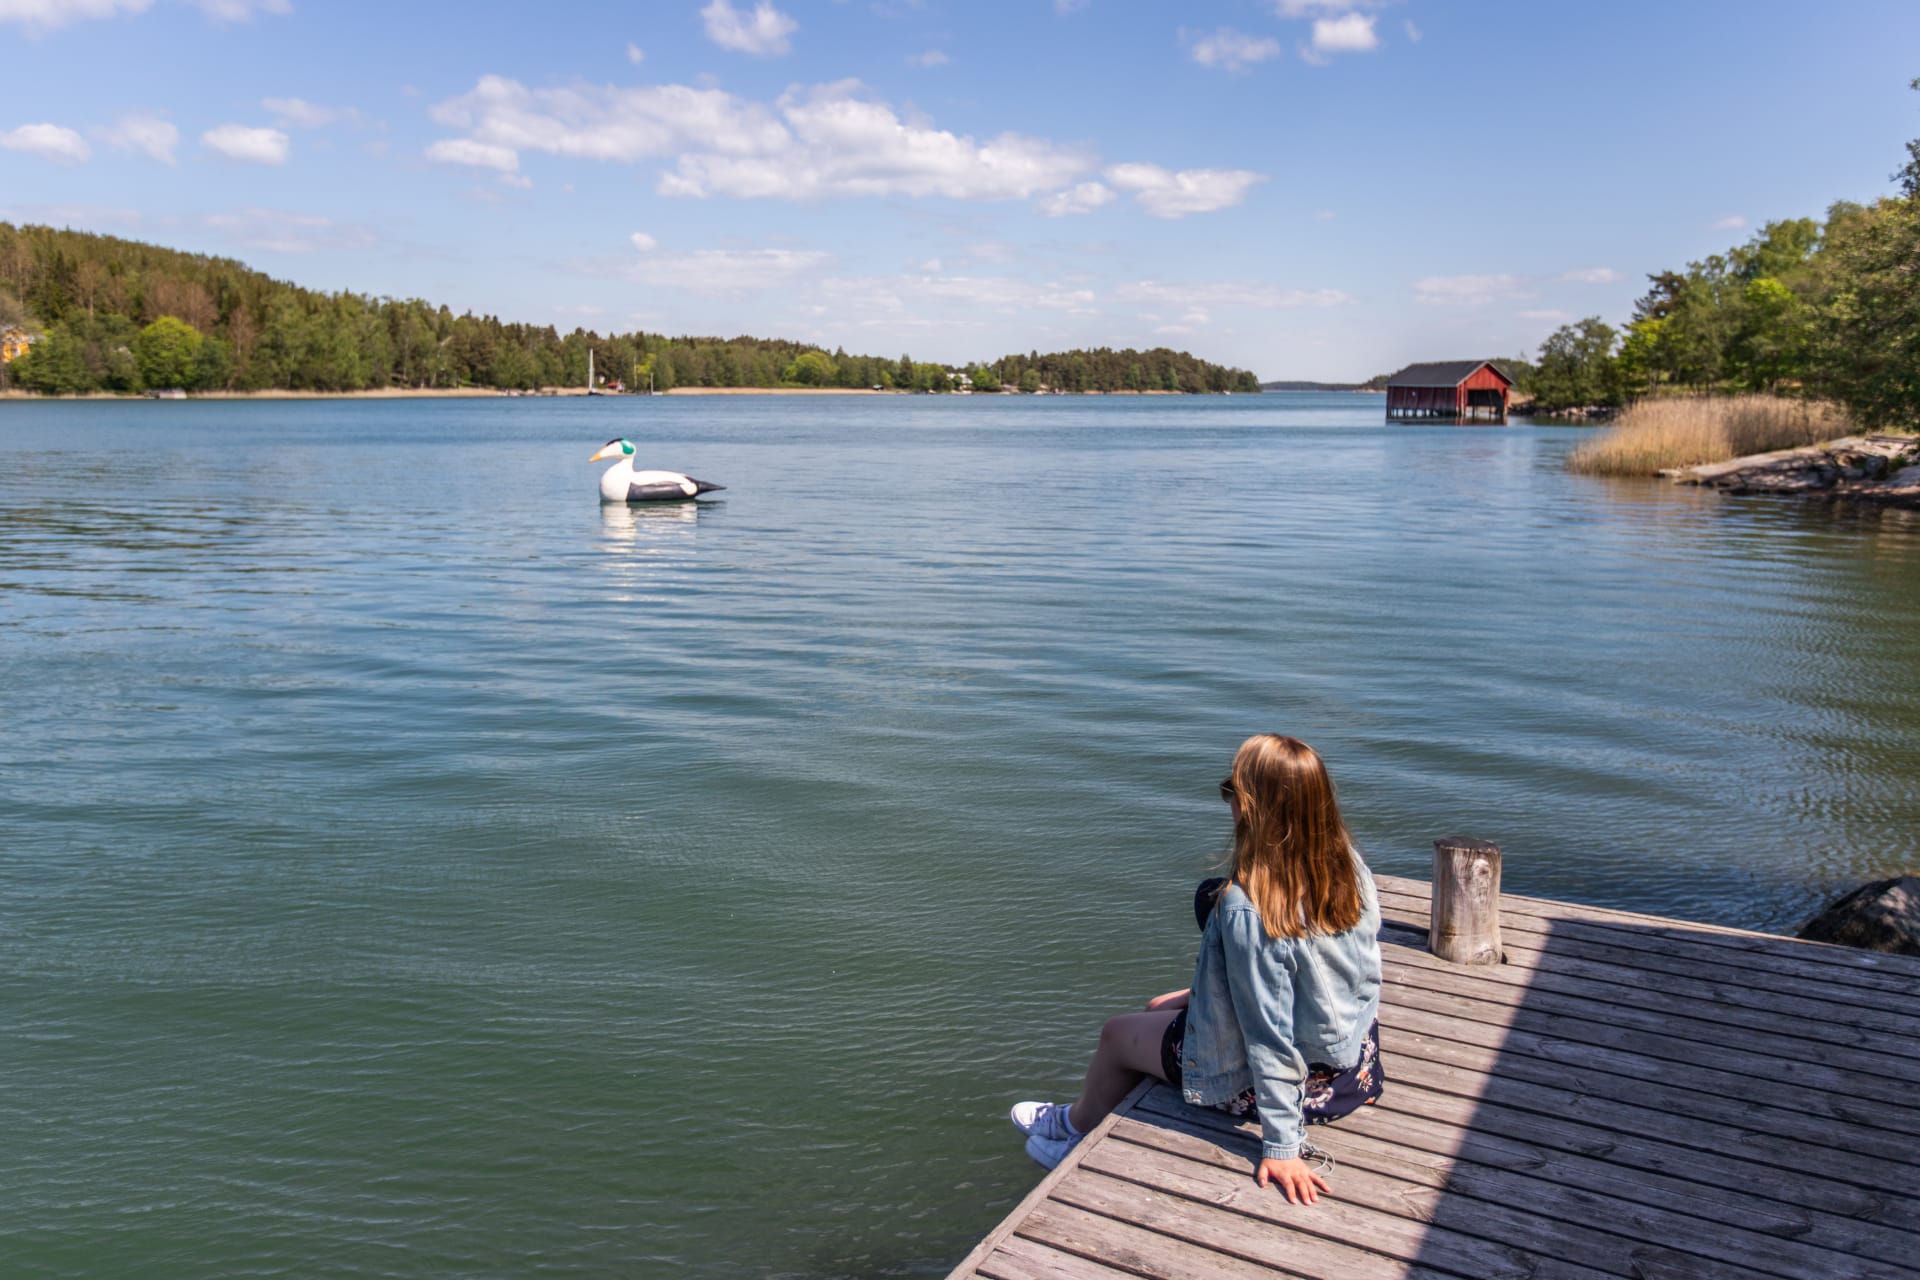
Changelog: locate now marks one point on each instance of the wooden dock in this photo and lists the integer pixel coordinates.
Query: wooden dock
(1627, 1095)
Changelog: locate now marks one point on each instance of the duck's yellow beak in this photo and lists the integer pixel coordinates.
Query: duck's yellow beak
(611, 451)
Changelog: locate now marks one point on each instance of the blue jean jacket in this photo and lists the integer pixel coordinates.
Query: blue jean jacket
(1263, 1008)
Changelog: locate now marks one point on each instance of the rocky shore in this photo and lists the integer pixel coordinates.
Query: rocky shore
(1883, 470)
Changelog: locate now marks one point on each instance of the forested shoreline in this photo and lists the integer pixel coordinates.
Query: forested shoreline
(1817, 308)
(120, 316)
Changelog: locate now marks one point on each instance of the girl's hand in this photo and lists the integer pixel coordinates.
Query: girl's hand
(1293, 1178)
(1171, 1000)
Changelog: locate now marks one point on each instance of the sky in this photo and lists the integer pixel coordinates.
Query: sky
(1311, 189)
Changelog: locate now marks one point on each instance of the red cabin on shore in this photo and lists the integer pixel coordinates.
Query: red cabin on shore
(1455, 390)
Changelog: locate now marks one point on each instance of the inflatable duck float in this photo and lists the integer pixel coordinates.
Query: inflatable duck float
(621, 483)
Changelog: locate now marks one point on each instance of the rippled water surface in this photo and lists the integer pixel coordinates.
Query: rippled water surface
(409, 867)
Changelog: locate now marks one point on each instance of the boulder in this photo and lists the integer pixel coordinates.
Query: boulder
(1882, 916)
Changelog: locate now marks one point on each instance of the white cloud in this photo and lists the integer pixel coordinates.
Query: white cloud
(722, 271)
(304, 114)
(281, 231)
(1196, 298)
(49, 141)
(241, 10)
(1162, 194)
(1324, 215)
(764, 33)
(518, 181)
(931, 58)
(635, 54)
(1413, 32)
(1732, 222)
(1230, 50)
(45, 15)
(1591, 275)
(1065, 7)
(93, 216)
(643, 242)
(253, 146)
(154, 136)
(1308, 8)
(1465, 291)
(831, 142)
(1350, 33)
(1082, 197)
(479, 155)
(1553, 317)
(827, 141)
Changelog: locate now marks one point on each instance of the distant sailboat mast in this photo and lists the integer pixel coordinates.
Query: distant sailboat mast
(589, 370)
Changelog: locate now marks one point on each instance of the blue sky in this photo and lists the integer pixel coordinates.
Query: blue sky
(1307, 188)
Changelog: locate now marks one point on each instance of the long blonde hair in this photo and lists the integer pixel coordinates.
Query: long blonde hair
(1292, 854)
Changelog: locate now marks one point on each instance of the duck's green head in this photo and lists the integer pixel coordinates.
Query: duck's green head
(614, 449)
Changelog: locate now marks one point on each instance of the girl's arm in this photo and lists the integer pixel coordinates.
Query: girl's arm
(1171, 1000)
(1260, 981)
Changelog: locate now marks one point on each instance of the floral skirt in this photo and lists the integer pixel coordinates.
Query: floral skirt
(1332, 1092)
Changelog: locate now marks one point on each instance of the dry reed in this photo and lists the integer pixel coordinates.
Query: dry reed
(1654, 435)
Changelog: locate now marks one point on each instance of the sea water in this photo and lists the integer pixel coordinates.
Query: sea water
(411, 867)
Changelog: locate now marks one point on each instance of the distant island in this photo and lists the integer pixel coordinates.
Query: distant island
(1373, 384)
(88, 314)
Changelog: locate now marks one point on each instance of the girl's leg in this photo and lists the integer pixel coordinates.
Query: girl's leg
(1129, 1048)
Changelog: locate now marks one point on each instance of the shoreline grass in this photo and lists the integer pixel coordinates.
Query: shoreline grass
(1656, 435)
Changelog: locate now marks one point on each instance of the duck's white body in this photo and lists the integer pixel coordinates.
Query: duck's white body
(621, 483)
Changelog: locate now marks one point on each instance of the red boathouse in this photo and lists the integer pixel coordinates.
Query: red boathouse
(1456, 390)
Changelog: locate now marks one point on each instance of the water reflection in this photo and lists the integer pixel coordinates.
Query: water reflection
(648, 544)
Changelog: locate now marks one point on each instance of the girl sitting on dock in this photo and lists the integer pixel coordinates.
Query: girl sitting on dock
(1281, 1017)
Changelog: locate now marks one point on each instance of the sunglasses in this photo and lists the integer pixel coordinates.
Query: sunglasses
(1227, 792)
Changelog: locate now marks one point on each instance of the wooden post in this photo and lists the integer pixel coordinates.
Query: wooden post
(1464, 927)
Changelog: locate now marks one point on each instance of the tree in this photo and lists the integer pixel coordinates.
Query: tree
(812, 369)
(984, 378)
(1030, 380)
(1576, 366)
(168, 353)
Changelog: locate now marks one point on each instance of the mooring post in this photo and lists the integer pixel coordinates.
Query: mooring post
(1464, 924)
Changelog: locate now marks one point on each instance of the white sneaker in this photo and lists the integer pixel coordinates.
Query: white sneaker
(1046, 1119)
(1048, 1152)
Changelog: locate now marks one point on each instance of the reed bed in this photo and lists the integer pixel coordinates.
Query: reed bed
(1654, 435)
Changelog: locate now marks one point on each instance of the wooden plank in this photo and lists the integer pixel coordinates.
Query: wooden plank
(1573, 1113)
(1892, 1017)
(1140, 1251)
(1660, 1084)
(1538, 1243)
(1220, 1231)
(1787, 1140)
(1044, 1188)
(1732, 1193)
(1876, 970)
(1172, 1158)
(1680, 1051)
(1768, 1238)
(1016, 1258)
(1809, 1023)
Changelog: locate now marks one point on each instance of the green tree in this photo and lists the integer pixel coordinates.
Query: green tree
(812, 369)
(168, 353)
(984, 378)
(1030, 380)
(1577, 366)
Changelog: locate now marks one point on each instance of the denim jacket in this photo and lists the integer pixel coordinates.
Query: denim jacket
(1263, 1008)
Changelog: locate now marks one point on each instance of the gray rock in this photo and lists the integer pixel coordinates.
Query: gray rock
(1882, 916)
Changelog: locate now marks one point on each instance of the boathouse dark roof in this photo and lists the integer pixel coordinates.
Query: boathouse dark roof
(1443, 373)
